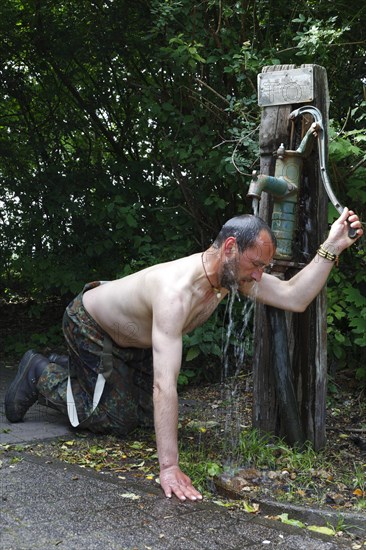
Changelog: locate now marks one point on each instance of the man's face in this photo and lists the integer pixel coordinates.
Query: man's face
(249, 265)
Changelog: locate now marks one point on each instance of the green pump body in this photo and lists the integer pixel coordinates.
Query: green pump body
(284, 213)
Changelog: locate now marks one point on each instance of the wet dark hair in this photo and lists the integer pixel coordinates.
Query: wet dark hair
(245, 229)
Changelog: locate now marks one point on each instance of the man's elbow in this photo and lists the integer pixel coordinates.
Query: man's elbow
(295, 306)
(158, 390)
(300, 308)
(164, 391)
(298, 303)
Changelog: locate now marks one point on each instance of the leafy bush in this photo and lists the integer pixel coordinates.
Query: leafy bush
(347, 318)
(347, 284)
(19, 343)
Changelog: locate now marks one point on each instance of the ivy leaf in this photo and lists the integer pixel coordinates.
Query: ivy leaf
(192, 353)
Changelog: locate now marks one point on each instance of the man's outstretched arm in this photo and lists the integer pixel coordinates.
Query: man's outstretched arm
(297, 293)
(167, 355)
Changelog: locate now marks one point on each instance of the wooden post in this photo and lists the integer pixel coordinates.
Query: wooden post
(306, 332)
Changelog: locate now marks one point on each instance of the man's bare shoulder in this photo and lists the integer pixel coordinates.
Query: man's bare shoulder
(165, 276)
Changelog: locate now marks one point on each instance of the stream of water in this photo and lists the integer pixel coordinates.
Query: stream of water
(255, 206)
(225, 416)
(236, 344)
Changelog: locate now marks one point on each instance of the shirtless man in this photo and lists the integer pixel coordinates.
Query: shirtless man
(112, 327)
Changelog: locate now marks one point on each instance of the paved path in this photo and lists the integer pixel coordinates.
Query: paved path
(49, 504)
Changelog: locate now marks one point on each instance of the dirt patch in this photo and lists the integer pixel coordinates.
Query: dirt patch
(334, 478)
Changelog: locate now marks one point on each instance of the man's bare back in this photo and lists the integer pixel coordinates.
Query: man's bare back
(124, 308)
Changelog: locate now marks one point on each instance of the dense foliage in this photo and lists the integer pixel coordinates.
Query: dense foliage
(128, 132)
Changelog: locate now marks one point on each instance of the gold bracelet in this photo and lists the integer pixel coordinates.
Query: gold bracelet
(324, 253)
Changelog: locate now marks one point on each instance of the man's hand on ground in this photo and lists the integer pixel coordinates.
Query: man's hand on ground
(174, 481)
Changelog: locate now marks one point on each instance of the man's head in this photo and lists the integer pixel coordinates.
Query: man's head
(248, 245)
(245, 229)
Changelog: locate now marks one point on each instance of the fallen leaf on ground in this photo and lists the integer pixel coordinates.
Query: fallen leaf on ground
(285, 519)
(321, 529)
(131, 496)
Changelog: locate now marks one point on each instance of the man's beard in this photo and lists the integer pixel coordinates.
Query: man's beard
(230, 275)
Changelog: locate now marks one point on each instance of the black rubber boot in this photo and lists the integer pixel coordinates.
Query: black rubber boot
(22, 392)
(62, 360)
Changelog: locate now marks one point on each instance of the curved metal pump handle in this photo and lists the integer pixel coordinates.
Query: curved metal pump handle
(319, 128)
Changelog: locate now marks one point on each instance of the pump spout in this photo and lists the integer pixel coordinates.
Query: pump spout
(278, 187)
(282, 183)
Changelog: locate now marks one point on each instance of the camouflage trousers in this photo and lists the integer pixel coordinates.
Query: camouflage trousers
(126, 401)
